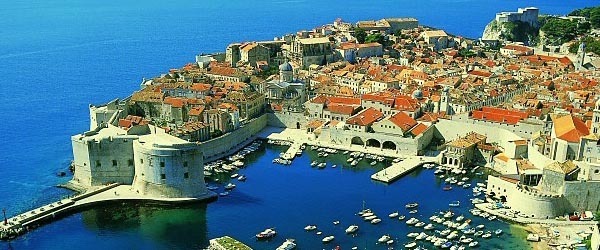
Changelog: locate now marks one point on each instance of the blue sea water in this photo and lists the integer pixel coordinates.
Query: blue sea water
(58, 56)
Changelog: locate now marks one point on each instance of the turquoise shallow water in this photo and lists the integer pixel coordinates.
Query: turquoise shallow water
(57, 56)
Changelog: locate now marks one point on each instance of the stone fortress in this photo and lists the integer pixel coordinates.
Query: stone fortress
(527, 15)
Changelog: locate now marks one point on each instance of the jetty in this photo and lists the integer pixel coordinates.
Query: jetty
(21, 223)
(392, 173)
(290, 154)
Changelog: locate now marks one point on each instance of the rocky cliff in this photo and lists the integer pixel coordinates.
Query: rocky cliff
(510, 31)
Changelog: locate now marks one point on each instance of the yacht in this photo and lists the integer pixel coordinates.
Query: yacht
(454, 204)
(322, 165)
(310, 227)
(410, 245)
(412, 235)
(266, 234)
(352, 229)
(230, 186)
(328, 239)
(473, 244)
(412, 205)
(412, 221)
(375, 221)
(394, 214)
(421, 236)
(242, 178)
(420, 224)
(429, 227)
(498, 232)
(384, 238)
(486, 235)
(401, 217)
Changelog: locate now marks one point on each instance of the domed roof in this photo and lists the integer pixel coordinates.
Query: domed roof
(417, 94)
(286, 66)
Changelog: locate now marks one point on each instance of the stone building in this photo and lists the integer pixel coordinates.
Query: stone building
(307, 51)
(166, 166)
(462, 152)
(253, 52)
(286, 91)
(527, 15)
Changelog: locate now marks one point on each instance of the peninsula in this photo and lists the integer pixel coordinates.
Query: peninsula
(387, 88)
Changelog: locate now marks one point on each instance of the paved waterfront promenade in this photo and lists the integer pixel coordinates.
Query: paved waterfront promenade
(110, 193)
(399, 169)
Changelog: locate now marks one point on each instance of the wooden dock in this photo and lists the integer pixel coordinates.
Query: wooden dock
(399, 169)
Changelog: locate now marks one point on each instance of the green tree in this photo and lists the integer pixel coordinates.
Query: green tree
(559, 31)
(375, 38)
(360, 35)
(551, 86)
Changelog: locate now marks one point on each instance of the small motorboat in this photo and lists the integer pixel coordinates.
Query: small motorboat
(389, 242)
(454, 204)
(375, 221)
(420, 224)
(460, 218)
(498, 232)
(412, 235)
(448, 214)
(337, 222)
(481, 226)
(401, 217)
(384, 238)
(412, 205)
(319, 233)
(351, 229)
(414, 211)
(212, 188)
(314, 163)
(412, 221)
(328, 239)
(350, 160)
(421, 236)
(394, 214)
(473, 244)
(310, 227)
(448, 244)
(333, 166)
(322, 165)
(224, 193)
(373, 163)
(266, 234)
(447, 188)
(229, 186)
(429, 227)
(486, 235)
(410, 245)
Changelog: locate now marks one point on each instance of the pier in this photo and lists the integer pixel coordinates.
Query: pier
(290, 154)
(19, 224)
(399, 169)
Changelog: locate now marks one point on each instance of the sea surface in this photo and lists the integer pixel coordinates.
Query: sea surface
(58, 56)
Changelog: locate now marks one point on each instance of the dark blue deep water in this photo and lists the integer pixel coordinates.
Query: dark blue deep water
(56, 57)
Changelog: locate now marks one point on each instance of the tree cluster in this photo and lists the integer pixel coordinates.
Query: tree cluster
(591, 45)
(591, 13)
(558, 31)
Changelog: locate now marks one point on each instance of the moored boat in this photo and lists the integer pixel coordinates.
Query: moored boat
(266, 234)
(351, 229)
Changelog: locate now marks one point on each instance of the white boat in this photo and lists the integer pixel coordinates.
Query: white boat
(375, 221)
(354, 163)
(429, 227)
(412, 235)
(467, 185)
(224, 193)
(310, 227)
(289, 244)
(333, 166)
(466, 240)
(473, 244)
(460, 218)
(469, 231)
(452, 236)
(367, 213)
(410, 245)
(498, 232)
(389, 242)
(370, 218)
(412, 221)
(493, 217)
(394, 215)
(328, 239)
(420, 224)
(480, 226)
(414, 211)
(337, 222)
(454, 204)
(373, 163)
(421, 236)
(319, 233)
(445, 232)
(384, 238)
(352, 229)
(448, 214)
(242, 178)
(350, 159)
(230, 186)
(486, 235)
(322, 165)
(314, 163)
(266, 234)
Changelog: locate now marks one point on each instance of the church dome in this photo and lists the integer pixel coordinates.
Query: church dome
(417, 94)
(286, 66)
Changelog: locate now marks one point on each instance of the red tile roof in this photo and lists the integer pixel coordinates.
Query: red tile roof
(499, 115)
(365, 118)
(570, 128)
(341, 108)
(403, 121)
(419, 129)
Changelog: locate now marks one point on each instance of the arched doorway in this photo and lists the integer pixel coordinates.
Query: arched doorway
(297, 125)
(389, 145)
(357, 141)
(373, 143)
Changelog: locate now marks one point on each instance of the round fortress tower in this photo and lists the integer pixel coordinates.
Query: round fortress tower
(168, 167)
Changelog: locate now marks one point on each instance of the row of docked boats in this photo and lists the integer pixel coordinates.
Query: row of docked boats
(279, 142)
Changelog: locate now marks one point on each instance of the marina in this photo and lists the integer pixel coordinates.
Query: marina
(399, 169)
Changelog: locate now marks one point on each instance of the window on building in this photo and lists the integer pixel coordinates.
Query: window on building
(98, 164)
(186, 175)
(114, 162)
(185, 164)
(596, 171)
(141, 161)
(162, 176)
(130, 162)
(162, 164)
